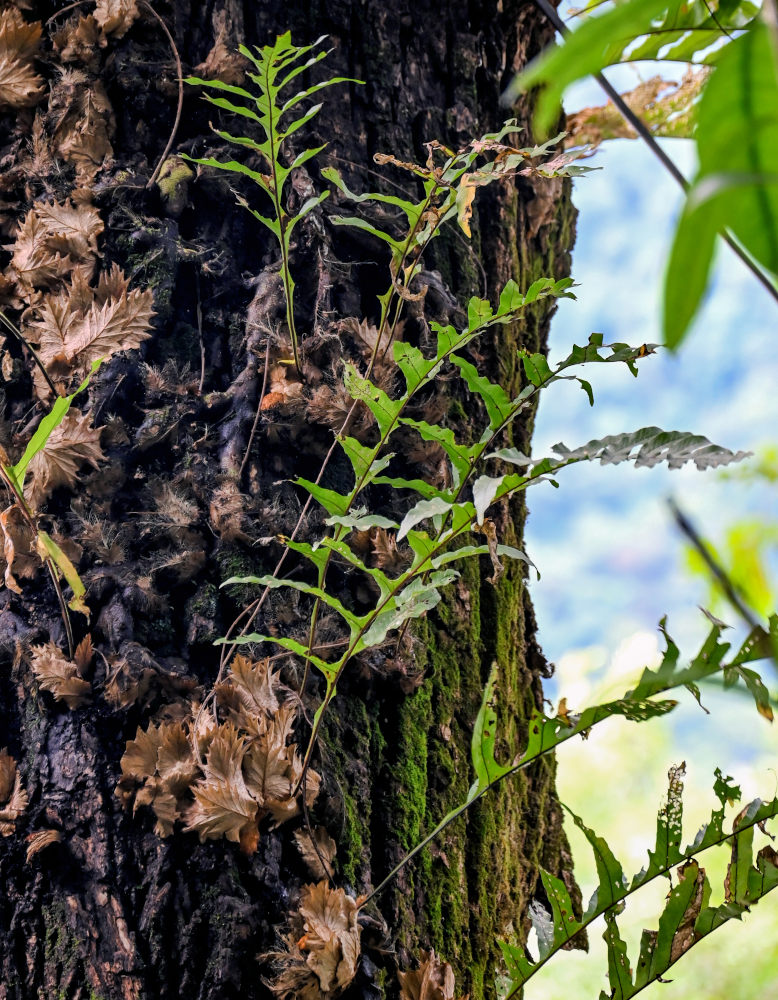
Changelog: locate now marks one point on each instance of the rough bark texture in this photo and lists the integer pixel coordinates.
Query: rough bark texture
(113, 911)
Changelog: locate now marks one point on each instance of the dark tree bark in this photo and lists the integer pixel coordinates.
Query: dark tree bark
(112, 910)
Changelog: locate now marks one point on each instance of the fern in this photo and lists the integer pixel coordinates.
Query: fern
(277, 66)
(641, 703)
(418, 589)
(686, 918)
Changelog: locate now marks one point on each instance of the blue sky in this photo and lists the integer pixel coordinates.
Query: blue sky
(609, 555)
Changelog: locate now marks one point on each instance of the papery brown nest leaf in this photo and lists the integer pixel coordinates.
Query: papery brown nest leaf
(70, 445)
(34, 260)
(318, 851)
(331, 936)
(385, 552)
(75, 338)
(223, 62)
(175, 764)
(20, 85)
(13, 798)
(85, 124)
(79, 40)
(72, 230)
(19, 550)
(40, 840)
(163, 804)
(249, 694)
(433, 980)
(116, 17)
(59, 675)
(273, 769)
(223, 805)
(161, 760)
(226, 511)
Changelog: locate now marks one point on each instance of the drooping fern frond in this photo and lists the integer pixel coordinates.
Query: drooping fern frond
(277, 67)
(686, 917)
(641, 703)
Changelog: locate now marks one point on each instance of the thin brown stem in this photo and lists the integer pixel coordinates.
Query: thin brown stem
(180, 72)
(13, 329)
(259, 410)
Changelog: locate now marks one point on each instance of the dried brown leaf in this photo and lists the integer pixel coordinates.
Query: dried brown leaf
(70, 445)
(13, 798)
(66, 337)
(175, 764)
(223, 62)
(83, 132)
(60, 676)
(223, 805)
(139, 760)
(18, 547)
(41, 839)
(318, 851)
(433, 980)
(385, 551)
(83, 655)
(249, 693)
(80, 40)
(20, 85)
(162, 802)
(331, 937)
(34, 260)
(667, 107)
(116, 17)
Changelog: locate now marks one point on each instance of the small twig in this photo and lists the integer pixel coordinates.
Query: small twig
(259, 410)
(716, 569)
(647, 136)
(199, 313)
(324, 866)
(70, 6)
(179, 69)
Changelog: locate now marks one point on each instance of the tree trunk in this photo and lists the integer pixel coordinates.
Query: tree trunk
(113, 910)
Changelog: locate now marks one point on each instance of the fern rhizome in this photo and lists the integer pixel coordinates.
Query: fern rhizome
(224, 763)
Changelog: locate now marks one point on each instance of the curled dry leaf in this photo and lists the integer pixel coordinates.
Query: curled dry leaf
(84, 123)
(318, 851)
(433, 980)
(70, 445)
(20, 85)
(13, 798)
(116, 17)
(41, 839)
(667, 107)
(19, 550)
(223, 805)
(79, 41)
(249, 694)
(160, 761)
(223, 62)
(323, 949)
(59, 675)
